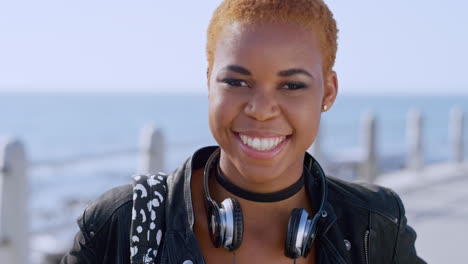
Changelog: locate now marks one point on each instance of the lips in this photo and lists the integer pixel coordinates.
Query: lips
(262, 143)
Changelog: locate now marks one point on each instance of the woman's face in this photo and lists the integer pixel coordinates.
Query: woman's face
(266, 94)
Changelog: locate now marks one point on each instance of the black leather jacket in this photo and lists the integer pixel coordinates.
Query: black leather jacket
(365, 224)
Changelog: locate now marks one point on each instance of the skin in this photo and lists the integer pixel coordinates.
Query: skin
(266, 81)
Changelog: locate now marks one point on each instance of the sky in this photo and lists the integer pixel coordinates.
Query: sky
(102, 46)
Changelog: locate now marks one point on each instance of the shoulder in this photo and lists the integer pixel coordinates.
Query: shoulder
(116, 202)
(371, 197)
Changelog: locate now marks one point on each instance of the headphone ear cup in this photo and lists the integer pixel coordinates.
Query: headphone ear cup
(310, 236)
(291, 235)
(214, 225)
(238, 232)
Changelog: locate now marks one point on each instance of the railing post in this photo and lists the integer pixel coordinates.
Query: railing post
(14, 224)
(368, 167)
(414, 135)
(152, 150)
(456, 134)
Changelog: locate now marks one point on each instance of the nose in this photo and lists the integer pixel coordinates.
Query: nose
(262, 105)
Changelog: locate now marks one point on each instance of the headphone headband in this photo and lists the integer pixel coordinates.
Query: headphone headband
(206, 174)
(225, 221)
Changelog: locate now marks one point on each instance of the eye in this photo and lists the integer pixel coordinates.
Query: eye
(294, 86)
(235, 82)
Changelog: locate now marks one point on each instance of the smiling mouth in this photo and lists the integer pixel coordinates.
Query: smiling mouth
(262, 143)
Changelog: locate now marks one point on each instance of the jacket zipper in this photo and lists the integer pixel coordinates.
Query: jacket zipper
(366, 245)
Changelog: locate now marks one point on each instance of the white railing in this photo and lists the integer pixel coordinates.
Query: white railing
(364, 165)
(14, 187)
(14, 220)
(14, 165)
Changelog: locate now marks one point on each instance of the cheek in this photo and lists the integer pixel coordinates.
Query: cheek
(309, 118)
(220, 112)
(305, 118)
(310, 127)
(213, 106)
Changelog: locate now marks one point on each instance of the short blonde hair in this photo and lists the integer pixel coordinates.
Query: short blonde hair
(313, 14)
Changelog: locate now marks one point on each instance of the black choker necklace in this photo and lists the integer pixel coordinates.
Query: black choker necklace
(258, 197)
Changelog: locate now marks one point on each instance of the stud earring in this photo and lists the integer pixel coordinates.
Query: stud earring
(325, 108)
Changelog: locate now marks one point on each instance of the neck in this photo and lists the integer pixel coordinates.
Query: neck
(258, 216)
(255, 196)
(261, 178)
(267, 184)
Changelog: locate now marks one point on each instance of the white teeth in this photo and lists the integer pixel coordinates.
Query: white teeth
(256, 143)
(261, 144)
(264, 144)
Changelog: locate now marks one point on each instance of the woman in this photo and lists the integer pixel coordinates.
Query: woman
(270, 78)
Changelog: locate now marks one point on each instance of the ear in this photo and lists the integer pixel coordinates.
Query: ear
(330, 90)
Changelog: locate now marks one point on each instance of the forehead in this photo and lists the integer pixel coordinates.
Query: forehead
(275, 44)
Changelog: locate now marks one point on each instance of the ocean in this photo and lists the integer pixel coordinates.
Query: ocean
(58, 127)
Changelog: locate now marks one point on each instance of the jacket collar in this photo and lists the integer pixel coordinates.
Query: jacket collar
(184, 219)
(328, 233)
(198, 160)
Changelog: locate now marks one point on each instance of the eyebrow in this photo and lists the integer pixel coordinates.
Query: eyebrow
(290, 72)
(238, 69)
(285, 73)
